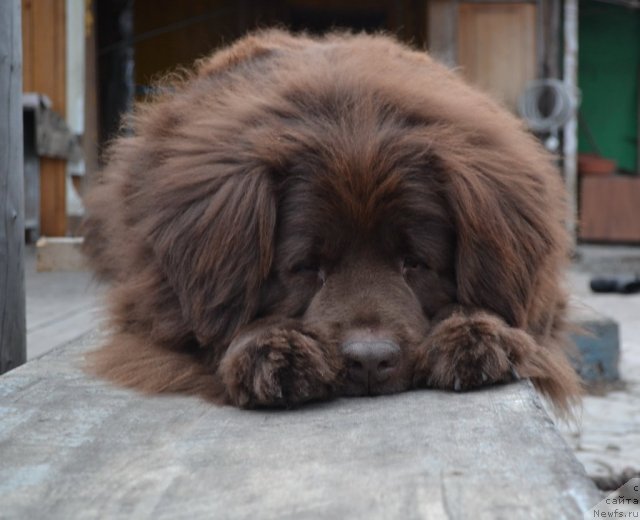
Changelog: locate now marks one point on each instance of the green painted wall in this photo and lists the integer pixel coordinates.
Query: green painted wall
(609, 61)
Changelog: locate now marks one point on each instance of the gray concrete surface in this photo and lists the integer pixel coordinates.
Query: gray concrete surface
(73, 447)
(607, 258)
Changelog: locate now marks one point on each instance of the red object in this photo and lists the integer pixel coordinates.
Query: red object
(592, 164)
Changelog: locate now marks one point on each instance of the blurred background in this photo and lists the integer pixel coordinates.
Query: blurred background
(569, 68)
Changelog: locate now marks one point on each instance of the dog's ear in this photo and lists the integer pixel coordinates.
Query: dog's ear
(212, 232)
(509, 211)
(199, 196)
(254, 46)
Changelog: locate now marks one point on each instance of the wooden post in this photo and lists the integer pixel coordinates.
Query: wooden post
(550, 37)
(44, 29)
(570, 133)
(13, 351)
(90, 138)
(442, 23)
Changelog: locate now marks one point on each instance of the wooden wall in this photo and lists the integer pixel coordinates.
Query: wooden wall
(609, 208)
(497, 47)
(169, 33)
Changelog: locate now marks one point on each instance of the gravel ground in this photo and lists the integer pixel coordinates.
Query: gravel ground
(606, 438)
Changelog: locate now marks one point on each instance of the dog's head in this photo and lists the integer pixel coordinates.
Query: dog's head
(363, 197)
(364, 243)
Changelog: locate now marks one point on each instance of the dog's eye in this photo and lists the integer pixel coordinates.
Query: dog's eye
(310, 269)
(411, 262)
(305, 268)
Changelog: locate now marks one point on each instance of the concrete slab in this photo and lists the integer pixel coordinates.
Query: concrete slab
(73, 447)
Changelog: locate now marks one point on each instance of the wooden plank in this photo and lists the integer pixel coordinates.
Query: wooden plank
(549, 38)
(12, 300)
(43, 25)
(61, 306)
(497, 47)
(90, 137)
(65, 327)
(60, 254)
(610, 208)
(72, 446)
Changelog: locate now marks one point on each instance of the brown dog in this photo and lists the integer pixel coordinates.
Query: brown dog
(302, 218)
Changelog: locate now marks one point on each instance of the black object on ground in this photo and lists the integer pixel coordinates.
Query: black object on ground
(616, 284)
(615, 481)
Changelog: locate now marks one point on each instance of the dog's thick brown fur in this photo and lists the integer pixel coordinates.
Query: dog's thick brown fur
(295, 196)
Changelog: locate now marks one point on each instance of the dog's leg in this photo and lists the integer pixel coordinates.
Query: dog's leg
(469, 350)
(277, 365)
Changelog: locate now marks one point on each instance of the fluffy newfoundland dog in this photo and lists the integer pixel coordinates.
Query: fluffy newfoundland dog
(300, 218)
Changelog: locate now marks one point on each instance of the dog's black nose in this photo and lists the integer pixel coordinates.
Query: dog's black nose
(370, 363)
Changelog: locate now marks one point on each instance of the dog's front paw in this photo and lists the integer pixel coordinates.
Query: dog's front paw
(276, 367)
(464, 352)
